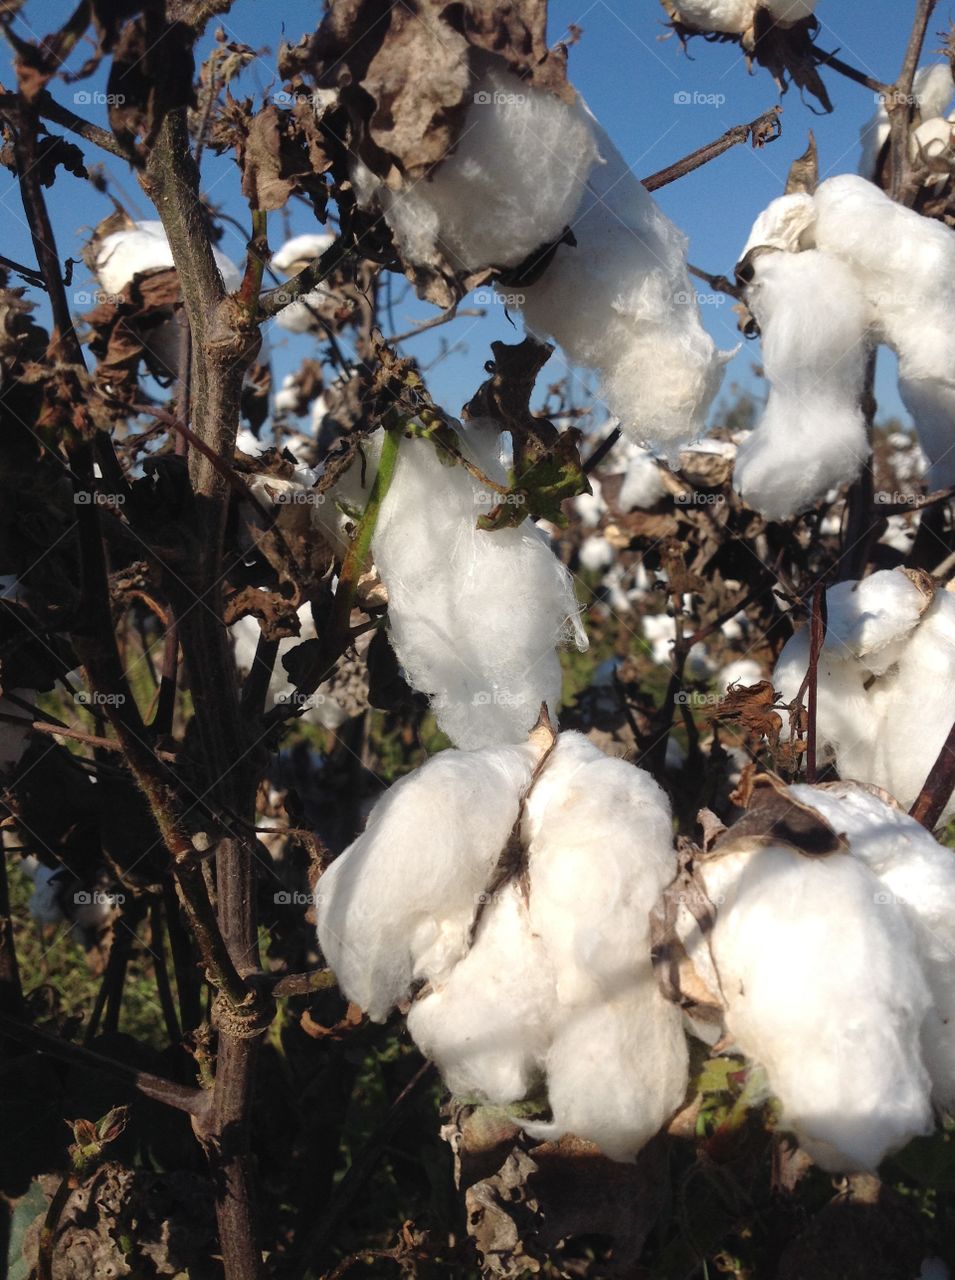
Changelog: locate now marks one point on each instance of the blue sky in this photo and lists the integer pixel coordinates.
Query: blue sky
(634, 81)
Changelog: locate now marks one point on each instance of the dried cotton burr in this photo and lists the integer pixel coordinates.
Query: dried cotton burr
(889, 652)
(555, 985)
(527, 166)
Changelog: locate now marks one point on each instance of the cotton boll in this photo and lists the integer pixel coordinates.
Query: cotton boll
(616, 1072)
(917, 877)
(590, 507)
(399, 902)
(871, 619)
(621, 302)
(510, 187)
(301, 251)
(475, 617)
(932, 89)
(144, 247)
(595, 554)
(488, 1026)
(931, 402)
(601, 851)
(825, 991)
(787, 223)
(742, 671)
(812, 435)
(730, 16)
(642, 486)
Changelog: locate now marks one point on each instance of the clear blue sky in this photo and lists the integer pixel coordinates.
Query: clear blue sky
(630, 77)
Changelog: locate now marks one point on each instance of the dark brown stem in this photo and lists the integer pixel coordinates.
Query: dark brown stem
(901, 105)
(939, 784)
(850, 72)
(765, 128)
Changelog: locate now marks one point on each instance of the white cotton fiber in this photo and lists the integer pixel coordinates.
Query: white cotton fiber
(812, 435)
(906, 266)
(787, 223)
(398, 903)
(932, 89)
(144, 247)
(730, 16)
(475, 617)
(825, 991)
(621, 302)
(616, 1071)
(489, 1025)
(510, 186)
(642, 486)
(595, 554)
(917, 877)
(601, 852)
(741, 671)
(886, 687)
(293, 256)
(590, 507)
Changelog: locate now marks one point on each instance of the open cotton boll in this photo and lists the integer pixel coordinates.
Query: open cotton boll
(812, 435)
(319, 707)
(399, 902)
(475, 617)
(616, 1071)
(621, 302)
(144, 247)
(871, 619)
(917, 877)
(931, 402)
(488, 1026)
(742, 671)
(510, 186)
(642, 486)
(596, 554)
(787, 223)
(932, 89)
(730, 16)
(825, 991)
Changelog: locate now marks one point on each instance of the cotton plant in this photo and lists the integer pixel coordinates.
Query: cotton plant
(889, 649)
(526, 167)
(540, 978)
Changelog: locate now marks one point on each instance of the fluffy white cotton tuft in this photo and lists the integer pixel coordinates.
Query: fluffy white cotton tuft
(812, 436)
(642, 486)
(475, 617)
(825, 991)
(741, 671)
(510, 186)
(932, 89)
(557, 986)
(296, 254)
(917, 877)
(730, 16)
(882, 660)
(590, 507)
(905, 264)
(596, 553)
(621, 302)
(398, 903)
(144, 247)
(787, 223)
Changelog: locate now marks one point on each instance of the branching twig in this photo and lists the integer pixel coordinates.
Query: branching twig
(765, 128)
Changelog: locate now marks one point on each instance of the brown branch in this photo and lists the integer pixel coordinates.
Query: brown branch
(939, 784)
(765, 128)
(850, 72)
(49, 109)
(900, 104)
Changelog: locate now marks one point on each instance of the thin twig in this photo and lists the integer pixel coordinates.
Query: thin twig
(765, 128)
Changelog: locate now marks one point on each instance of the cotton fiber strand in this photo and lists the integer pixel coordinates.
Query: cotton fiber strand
(474, 617)
(917, 878)
(557, 988)
(886, 684)
(825, 991)
(812, 435)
